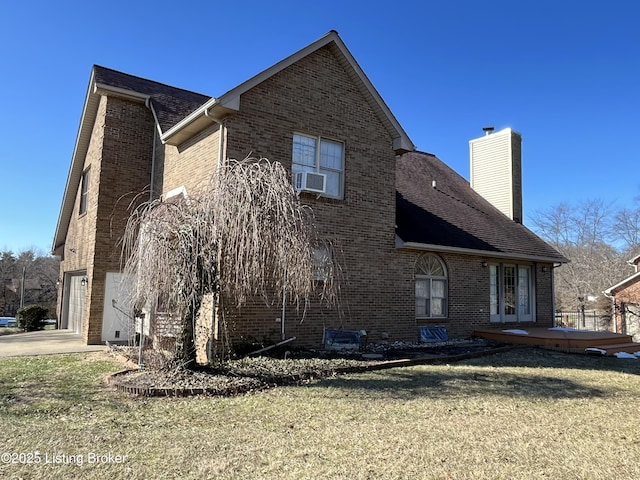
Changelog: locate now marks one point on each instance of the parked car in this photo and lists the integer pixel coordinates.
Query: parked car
(8, 322)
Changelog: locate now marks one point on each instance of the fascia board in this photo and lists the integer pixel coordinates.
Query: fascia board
(107, 90)
(633, 260)
(87, 119)
(402, 245)
(618, 286)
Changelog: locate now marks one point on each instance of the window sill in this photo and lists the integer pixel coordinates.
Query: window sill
(320, 198)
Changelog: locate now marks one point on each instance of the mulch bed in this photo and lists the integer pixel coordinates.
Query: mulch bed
(254, 374)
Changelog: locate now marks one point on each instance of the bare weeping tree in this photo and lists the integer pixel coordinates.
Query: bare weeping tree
(247, 235)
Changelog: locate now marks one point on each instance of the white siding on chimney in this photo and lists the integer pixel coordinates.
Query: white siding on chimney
(496, 171)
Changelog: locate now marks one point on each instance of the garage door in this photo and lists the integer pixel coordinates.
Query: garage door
(76, 297)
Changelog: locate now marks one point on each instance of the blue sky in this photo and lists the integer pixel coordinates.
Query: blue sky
(565, 74)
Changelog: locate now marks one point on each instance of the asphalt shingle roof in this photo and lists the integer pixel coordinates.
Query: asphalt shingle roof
(452, 214)
(171, 104)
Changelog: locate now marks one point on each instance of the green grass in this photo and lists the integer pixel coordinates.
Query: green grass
(524, 414)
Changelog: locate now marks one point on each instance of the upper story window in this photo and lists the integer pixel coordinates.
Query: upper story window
(431, 287)
(320, 155)
(84, 191)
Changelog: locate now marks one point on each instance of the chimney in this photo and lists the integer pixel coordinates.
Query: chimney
(496, 170)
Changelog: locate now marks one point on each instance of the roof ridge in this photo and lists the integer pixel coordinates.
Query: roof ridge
(425, 153)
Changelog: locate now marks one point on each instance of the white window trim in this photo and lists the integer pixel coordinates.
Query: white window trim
(445, 278)
(85, 185)
(518, 317)
(181, 190)
(316, 167)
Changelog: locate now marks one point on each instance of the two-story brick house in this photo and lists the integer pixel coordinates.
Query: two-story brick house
(412, 252)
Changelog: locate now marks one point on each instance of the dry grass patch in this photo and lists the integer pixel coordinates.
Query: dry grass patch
(518, 415)
(10, 330)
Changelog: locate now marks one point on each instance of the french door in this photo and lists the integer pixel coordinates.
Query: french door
(511, 293)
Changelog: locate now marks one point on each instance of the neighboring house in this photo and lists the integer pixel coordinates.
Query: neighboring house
(416, 245)
(626, 301)
(13, 293)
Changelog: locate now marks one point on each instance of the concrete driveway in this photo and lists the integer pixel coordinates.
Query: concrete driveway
(44, 342)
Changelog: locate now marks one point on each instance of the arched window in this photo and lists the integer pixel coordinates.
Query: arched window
(431, 287)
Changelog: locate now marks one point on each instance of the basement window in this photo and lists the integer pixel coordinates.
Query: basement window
(341, 339)
(433, 334)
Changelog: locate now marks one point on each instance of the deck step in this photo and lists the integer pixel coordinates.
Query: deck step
(611, 349)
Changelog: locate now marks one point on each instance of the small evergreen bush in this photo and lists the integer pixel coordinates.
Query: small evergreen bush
(32, 318)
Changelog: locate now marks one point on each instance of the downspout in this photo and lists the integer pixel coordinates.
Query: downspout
(153, 167)
(157, 132)
(216, 308)
(221, 132)
(553, 293)
(284, 309)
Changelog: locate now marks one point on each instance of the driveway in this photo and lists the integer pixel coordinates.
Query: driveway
(44, 342)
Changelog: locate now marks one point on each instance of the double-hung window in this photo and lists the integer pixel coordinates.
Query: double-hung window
(511, 293)
(322, 262)
(320, 155)
(431, 287)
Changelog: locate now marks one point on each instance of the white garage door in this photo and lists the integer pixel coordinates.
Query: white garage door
(76, 297)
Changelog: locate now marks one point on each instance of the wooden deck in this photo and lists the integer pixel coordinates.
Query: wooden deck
(566, 340)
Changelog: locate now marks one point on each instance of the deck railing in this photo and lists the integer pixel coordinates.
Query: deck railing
(583, 320)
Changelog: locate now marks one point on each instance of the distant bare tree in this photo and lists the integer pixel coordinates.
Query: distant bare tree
(245, 236)
(7, 269)
(627, 228)
(40, 275)
(585, 234)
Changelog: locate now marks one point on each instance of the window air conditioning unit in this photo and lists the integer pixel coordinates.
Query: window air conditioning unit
(310, 182)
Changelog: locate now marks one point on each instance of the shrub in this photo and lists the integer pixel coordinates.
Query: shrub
(32, 318)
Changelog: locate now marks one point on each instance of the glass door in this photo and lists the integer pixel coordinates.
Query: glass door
(510, 293)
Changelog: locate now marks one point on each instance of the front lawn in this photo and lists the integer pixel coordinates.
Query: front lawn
(522, 414)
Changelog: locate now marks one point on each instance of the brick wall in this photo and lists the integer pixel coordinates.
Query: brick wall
(119, 158)
(79, 246)
(315, 96)
(627, 321)
(545, 313)
(468, 296)
(191, 164)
